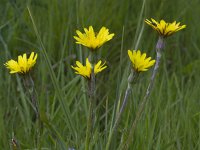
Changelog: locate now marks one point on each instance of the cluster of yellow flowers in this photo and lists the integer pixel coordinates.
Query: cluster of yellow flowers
(90, 39)
(94, 40)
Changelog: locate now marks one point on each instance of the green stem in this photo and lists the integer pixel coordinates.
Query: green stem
(89, 126)
(159, 48)
(131, 79)
(91, 93)
(29, 86)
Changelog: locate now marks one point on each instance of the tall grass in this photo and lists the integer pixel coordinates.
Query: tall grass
(171, 119)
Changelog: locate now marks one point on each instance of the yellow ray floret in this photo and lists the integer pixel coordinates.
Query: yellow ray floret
(139, 61)
(23, 65)
(86, 70)
(92, 40)
(164, 28)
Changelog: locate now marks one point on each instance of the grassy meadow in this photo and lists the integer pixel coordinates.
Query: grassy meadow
(171, 119)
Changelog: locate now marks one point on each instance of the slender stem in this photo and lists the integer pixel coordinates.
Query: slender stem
(159, 48)
(128, 91)
(118, 117)
(131, 79)
(91, 93)
(89, 126)
(29, 85)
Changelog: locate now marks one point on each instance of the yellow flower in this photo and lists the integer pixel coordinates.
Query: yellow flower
(164, 28)
(86, 70)
(91, 40)
(23, 65)
(139, 61)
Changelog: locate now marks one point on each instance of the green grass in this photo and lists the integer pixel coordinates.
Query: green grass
(171, 119)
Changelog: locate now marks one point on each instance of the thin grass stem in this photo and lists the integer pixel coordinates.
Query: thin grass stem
(59, 93)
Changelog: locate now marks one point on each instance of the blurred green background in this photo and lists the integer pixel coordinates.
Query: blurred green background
(172, 116)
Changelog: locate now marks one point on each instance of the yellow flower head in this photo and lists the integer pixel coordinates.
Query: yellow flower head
(86, 70)
(139, 61)
(92, 40)
(164, 28)
(23, 65)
